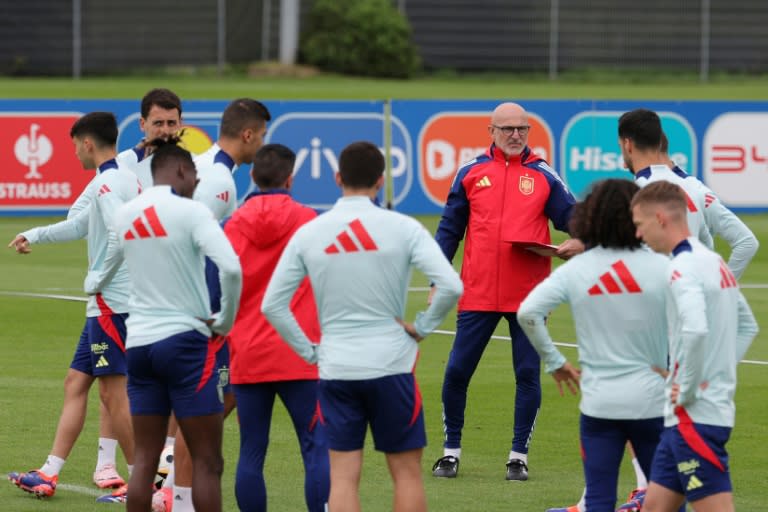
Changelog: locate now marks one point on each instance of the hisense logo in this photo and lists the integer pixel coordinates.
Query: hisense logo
(594, 158)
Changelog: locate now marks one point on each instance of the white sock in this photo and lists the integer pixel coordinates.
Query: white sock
(52, 466)
(642, 481)
(107, 452)
(182, 499)
(456, 452)
(582, 504)
(517, 455)
(169, 441)
(130, 469)
(171, 478)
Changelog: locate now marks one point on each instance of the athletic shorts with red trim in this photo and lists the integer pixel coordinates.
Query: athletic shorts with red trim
(101, 349)
(175, 374)
(691, 460)
(391, 405)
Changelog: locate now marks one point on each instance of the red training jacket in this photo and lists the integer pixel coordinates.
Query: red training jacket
(259, 231)
(496, 200)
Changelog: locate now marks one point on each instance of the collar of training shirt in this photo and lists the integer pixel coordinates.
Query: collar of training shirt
(223, 158)
(683, 246)
(109, 164)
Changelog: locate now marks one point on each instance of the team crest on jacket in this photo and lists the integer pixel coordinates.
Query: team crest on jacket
(526, 185)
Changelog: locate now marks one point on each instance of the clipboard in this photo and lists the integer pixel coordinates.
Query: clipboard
(546, 250)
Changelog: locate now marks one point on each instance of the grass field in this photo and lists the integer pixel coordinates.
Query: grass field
(600, 85)
(38, 336)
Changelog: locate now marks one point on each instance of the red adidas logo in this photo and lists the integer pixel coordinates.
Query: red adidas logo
(608, 283)
(346, 243)
(675, 276)
(140, 230)
(224, 196)
(104, 189)
(708, 200)
(727, 279)
(691, 206)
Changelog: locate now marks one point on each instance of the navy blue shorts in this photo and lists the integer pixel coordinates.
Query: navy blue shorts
(177, 373)
(101, 349)
(691, 460)
(391, 405)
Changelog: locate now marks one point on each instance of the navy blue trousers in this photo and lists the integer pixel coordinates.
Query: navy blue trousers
(602, 445)
(254, 407)
(473, 331)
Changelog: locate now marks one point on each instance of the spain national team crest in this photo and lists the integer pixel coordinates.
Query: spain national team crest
(526, 185)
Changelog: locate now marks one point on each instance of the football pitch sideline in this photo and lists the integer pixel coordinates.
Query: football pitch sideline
(38, 335)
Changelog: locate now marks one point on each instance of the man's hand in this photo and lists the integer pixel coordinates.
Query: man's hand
(410, 329)
(570, 248)
(661, 371)
(21, 244)
(675, 393)
(568, 374)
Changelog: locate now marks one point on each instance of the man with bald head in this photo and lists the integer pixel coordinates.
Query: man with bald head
(509, 194)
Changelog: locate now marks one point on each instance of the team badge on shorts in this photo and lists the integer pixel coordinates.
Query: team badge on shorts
(526, 185)
(223, 382)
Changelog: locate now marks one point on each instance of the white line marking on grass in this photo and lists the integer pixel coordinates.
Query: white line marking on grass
(446, 333)
(572, 345)
(44, 296)
(88, 491)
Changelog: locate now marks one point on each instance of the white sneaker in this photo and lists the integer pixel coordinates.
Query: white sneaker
(106, 477)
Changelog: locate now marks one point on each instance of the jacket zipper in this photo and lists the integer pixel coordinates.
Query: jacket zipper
(498, 234)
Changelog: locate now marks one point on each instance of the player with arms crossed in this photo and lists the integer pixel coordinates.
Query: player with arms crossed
(616, 290)
(164, 238)
(100, 354)
(711, 327)
(358, 258)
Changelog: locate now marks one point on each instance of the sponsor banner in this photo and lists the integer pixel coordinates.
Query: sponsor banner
(590, 149)
(39, 167)
(318, 138)
(736, 158)
(450, 139)
(716, 141)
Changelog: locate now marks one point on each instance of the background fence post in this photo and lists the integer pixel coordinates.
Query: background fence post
(289, 30)
(554, 37)
(77, 39)
(266, 28)
(221, 36)
(705, 41)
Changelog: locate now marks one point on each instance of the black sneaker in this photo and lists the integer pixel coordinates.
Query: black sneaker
(517, 470)
(446, 467)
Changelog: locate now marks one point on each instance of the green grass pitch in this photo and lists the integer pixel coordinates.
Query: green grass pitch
(38, 335)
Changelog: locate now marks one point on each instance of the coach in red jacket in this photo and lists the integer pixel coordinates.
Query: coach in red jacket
(509, 194)
(262, 364)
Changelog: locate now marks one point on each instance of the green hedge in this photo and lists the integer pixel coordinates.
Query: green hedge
(359, 37)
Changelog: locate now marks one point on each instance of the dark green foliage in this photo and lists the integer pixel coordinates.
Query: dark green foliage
(359, 37)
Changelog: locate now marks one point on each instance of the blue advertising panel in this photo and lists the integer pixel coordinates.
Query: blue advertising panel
(723, 143)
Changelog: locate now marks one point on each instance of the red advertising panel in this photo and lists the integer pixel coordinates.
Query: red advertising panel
(450, 139)
(39, 169)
